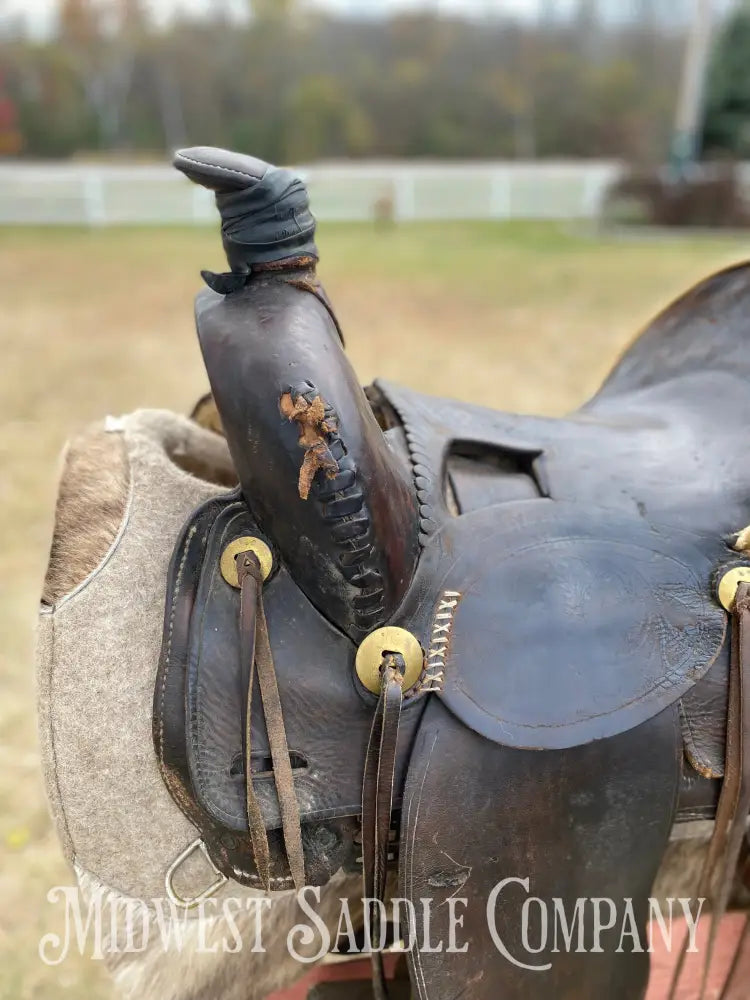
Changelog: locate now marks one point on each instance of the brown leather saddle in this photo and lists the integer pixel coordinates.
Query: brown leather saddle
(484, 648)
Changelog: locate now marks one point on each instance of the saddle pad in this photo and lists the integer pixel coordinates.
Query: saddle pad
(559, 623)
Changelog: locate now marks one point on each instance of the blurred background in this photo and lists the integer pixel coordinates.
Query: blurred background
(507, 191)
(563, 93)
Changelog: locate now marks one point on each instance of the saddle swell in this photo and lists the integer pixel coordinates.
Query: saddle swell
(314, 466)
(497, 631)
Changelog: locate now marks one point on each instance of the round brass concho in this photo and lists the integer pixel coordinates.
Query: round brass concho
(728, 585)
(247, 543)
(390, 639)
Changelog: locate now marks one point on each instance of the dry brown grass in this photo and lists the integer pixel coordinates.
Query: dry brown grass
(519, 317)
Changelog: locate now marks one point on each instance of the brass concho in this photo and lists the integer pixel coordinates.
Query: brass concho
(729, 583)
(389, 639)
(247, 543)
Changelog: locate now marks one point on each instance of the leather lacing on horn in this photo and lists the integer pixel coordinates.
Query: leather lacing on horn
(255, 649)
(377, 805)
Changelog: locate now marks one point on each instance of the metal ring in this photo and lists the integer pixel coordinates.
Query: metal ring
(389, 639)
(247, 543)
(728, 584)
(191, 902)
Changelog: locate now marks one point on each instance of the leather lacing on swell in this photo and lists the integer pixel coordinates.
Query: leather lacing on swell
(345, 512)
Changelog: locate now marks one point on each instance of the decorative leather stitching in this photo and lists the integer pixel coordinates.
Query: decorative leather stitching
(50, 728)
(432, 678)
(425, 477)
(285, 883)
(218, 166)
(168, 650)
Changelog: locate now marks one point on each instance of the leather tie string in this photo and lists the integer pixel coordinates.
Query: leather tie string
(717, 877)
(255, 649)
(377, 804)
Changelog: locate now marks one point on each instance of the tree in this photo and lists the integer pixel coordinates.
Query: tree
(10, 137)
(322, 120)
(727, 120)
(273, 10)
(79, 24)
(292, 82)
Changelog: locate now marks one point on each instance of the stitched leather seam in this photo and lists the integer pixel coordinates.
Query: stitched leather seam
(217, 166)
(168, 650)
(279, 880)
(53, 741)
(432, 678)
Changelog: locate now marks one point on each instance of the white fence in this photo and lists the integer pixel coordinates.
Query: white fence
(98, 195)
(78, 194)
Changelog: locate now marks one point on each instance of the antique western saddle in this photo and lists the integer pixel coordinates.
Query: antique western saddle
(477, 645)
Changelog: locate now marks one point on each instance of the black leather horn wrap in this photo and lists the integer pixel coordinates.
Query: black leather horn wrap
(265, 211)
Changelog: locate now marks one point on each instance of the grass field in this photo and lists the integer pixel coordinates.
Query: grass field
(526, 317)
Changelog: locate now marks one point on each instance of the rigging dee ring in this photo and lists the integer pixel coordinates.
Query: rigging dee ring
(192, 902)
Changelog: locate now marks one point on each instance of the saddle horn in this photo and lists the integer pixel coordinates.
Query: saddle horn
(314, 465)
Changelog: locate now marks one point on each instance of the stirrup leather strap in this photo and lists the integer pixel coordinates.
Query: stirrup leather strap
(256, 652)
(377, 803)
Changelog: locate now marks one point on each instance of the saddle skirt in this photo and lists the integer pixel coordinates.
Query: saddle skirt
(423, 632)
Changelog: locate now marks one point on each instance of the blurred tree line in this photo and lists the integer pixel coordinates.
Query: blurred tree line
(297, 85)
(727, 118)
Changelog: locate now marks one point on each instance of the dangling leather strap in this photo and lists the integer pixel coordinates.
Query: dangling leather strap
(250, 585)
(256, 651)
(732, 811)
(377, 803)
(732, 822)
